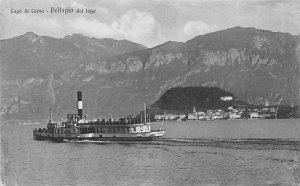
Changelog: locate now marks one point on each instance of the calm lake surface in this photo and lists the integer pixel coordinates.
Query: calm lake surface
(192, 153)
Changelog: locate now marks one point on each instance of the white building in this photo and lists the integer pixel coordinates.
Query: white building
(192, 117)
(226, 98)
(159, 117)
(182, 116)
(217, 116)
(234, 115)
(172, 116)
(230, 108)
(254, 115)
(204, 117)
(199, 113)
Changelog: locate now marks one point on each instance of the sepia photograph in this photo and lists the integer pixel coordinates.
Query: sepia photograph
(149, 92)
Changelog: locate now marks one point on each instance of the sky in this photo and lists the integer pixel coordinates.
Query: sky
(148, 22)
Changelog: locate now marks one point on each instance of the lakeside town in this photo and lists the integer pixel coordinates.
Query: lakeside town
(231, 112)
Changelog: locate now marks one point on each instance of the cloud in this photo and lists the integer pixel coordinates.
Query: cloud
(135, 26)
(194, 28)
(280, 16)
(75, 4)
(45, 23)
(22, 23)
(91, 26)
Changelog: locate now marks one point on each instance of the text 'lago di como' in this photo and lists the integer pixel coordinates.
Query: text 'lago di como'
(54, 10)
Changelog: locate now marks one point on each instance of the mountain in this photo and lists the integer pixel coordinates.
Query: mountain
(184, 99)
(105, 47)
(29, 63)
(31, 55)
(257, 66)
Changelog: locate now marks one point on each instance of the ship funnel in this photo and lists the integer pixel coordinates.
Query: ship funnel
(79, 104)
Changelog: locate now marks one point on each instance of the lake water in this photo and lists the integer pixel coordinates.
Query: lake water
(192, 153)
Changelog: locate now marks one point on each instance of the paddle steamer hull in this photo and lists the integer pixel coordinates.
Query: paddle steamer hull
(149, 136)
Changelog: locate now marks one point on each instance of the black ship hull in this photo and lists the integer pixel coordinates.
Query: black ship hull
(44, 136)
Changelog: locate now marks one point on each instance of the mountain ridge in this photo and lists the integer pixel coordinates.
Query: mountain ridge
(259, 67)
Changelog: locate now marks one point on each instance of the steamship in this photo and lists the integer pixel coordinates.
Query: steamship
(78, 127)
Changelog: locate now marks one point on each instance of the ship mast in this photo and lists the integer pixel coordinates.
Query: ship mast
(50, 119)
